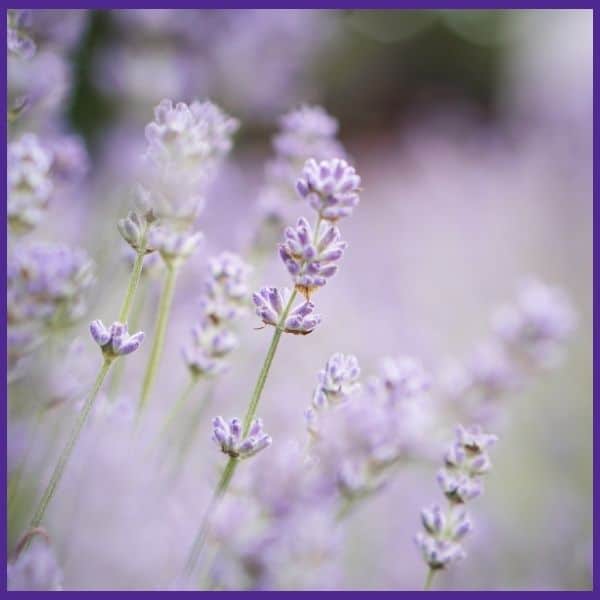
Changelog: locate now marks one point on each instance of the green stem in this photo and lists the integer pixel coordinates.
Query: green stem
(201, 535)
(134, 280)
(179, 404)
(429, 580)
(250, 413)
(164, 309)
(119, 369)
(68, 449)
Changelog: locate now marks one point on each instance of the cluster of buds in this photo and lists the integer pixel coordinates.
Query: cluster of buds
(271, 306)
(186, 144)
(47, 283)
(527, 336)
(311, 258)
(308, 131)
(29, 182)
(115, 340)
(309, 254)
(228, 436)
(363, 435)
(225, 300)
(336, 383)
(465, 463)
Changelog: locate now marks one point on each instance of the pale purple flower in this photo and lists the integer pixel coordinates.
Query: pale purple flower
(270, 304)
(211, 343)
(115, 340)
(537, 326)
(331, 187)
(402, 378)
(29, 182)
(18, 33)
(228, 436)
(174, 246)
(311, 257)
(438, 553)
(47, 283)
(35, 569)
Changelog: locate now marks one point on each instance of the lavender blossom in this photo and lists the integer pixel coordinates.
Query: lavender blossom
(29, 182)
(310, 259)
(466, 461)
(331, 188)
(270, 303)
(35, 569)
(47, 283)
(228, 435)
(115, 340)
(401, 378)
(211, 344)
(173, 246)
(536, 328)
(18, 33)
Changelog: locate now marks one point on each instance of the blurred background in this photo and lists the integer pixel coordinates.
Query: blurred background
(472, 133)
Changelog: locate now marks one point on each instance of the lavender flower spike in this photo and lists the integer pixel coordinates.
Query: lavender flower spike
(270, 304)
(311, 264)
(115, 340)
(228, 436)
(331, 187)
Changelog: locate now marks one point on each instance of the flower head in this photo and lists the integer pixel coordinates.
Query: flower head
(115, 340)
(228, 436)
(29, 182)
(174, 245)
(270, 304)
(311, 259)
(331, 188)
(18, 34)
(47, 283)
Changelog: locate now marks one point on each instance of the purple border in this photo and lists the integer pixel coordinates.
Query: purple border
(462, 4)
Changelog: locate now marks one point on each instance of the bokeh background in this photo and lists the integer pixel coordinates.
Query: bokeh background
(472, 131)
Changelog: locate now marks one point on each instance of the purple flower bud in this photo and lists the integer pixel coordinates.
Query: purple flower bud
(228, 437)
(115, 341)
(99, 332)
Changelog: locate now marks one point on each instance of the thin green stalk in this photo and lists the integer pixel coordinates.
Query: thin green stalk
(134, 280)
(179, 404)
(164, 309)
(250, 414)
(201, 535)
(429, 580)
(68, 449)
(119, 369)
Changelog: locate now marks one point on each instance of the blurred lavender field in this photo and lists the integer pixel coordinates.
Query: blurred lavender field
(470, 252)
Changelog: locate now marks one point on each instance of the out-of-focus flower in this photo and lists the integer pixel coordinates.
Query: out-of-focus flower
(70, 160)
(401, 378)
(115, 340)
(536, 327)
(270, 304)
(226, 293)
(47, 283)
(173, 245)
(331, 188)
(35, 569)
(228, 436)
(29, 182)
(18, 33)
(311, 257)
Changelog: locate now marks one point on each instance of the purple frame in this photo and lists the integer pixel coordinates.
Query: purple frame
(435, 4)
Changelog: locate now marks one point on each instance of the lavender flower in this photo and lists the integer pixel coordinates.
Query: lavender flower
(35, 569)
(47, 283)
(331, 188)
(211, 344)
(173, 246)
(401, 378)
(18, 33)
(228, 435)
(29, 182)
(270, 303)
(310, 259)
(226, 294)
(536, 328)
(465, 462)
(115, 340)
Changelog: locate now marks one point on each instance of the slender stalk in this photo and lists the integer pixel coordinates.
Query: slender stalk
(250, 414)
(201, 535)
(119, 369)
(164, 309)
(179, 404)
(429, 580)
(134, 280)
(68, 449)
